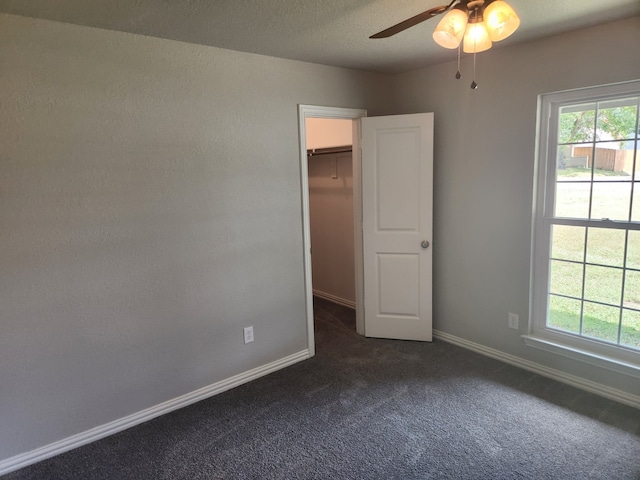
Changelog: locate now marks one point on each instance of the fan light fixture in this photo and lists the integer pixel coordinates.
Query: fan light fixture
(474, 26)
(468, 25)
(478, 23)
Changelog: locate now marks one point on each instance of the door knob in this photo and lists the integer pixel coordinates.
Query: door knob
(425, 244)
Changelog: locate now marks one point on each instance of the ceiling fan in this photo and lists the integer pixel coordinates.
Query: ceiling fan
(472, 24)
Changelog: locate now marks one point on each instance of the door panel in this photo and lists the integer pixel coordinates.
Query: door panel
(398, 182)
(396, 268)
(397, 186)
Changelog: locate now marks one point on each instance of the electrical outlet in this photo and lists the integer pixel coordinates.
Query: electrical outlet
(248, 334)
(513, 320)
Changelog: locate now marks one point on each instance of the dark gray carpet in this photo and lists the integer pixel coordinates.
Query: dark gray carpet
(374, 409)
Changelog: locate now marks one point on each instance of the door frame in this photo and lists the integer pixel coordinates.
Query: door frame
(316, 111)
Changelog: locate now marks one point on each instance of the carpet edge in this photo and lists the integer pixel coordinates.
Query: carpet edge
(31, 457)
(578, 382)
(334, 299)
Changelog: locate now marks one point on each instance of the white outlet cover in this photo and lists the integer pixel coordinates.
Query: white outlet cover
(248, 334)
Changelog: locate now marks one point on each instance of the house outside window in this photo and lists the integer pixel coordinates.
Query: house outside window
(586, 255)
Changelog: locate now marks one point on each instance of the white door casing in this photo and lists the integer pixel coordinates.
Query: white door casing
(397, 209)
(315, 111)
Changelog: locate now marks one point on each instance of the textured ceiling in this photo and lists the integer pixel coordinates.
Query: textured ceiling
(330, 32)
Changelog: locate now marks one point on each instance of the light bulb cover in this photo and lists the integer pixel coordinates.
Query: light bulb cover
(476, 38)
(450, 30)
(501, 19)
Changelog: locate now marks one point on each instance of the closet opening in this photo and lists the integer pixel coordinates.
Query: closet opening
(331, 206)
(331, 220)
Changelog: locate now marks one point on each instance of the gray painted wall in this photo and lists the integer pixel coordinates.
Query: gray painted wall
(150, 208)
(483, 177)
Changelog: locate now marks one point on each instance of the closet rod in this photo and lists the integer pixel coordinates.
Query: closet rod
(314, 152)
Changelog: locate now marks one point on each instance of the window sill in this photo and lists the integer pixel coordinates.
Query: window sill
(583, 355)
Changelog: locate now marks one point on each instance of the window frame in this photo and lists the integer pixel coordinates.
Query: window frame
(614, 357)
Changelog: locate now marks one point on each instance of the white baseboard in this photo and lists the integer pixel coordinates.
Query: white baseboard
(334, 299)
(24, 459)
(589, 386)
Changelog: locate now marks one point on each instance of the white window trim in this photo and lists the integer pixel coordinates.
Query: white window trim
(612, 357)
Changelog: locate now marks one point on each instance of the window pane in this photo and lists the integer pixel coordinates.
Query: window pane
(603, 284)
(612, 161)
(630, 335)
(632, 289)
(617, 119)
(601, 322)
(572, 200)
(611, 200)
(635, 212)
(573, 162)
(566, 278)
(625, 156)
(576, 123)
(564, 314)
(605, 246)
(628, 157)
(633, 250)
(568, 243)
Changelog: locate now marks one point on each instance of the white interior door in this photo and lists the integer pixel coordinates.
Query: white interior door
(397, 216)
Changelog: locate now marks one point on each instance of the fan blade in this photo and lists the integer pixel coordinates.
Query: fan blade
(410, 22)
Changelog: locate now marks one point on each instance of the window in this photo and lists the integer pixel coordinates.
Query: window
(586, 257)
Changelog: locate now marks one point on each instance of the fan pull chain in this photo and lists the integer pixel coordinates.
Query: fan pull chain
(458, 74)
(474, 85)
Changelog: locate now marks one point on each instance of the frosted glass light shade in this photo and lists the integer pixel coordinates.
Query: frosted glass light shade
(450, 30)
(476, 38)
(501, 20)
